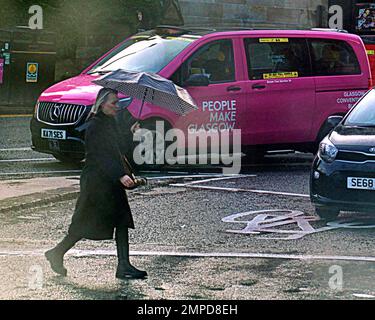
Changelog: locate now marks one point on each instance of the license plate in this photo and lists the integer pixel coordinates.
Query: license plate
(361, 183)
(54, 134)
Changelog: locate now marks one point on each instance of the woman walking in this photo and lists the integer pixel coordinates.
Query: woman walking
(102, 208)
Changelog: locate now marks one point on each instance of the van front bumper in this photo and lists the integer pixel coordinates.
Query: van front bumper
(73, 145)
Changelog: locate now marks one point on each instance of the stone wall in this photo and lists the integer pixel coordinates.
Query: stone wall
(252, 13)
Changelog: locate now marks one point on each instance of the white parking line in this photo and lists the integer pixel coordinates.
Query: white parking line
(28, 160)
(240, 190)
(220, 179)
(88, 253)
(148, 178)
(16, 149)
(40, 172)
(187, 176)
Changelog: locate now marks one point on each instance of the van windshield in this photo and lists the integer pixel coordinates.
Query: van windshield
(143, 54)
(363, 115)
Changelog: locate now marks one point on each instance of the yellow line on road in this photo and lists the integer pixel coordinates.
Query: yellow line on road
(16, 115)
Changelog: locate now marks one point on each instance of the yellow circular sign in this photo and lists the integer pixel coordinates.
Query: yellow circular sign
(32, 68)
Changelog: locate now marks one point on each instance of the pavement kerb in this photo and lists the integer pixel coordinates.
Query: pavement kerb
(48, 197)
(38, 199)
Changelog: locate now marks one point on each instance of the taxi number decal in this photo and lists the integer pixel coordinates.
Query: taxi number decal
(266, 40)
(280, 75)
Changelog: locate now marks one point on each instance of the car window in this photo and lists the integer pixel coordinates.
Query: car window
(215, 60)
(364, 113)
(333, 57)
(277, 58)
(142, 53)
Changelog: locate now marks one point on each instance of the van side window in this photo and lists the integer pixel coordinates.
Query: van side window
(333, 57)
(215, 60)
(274, 57)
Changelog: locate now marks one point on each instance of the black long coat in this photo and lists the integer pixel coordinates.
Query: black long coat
(103, 203)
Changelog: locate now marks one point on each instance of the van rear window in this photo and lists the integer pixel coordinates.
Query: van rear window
(333, 57)
(269, 58)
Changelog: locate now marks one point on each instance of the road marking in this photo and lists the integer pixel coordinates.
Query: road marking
(89, 253)
(79, 171)
(16, 116)
(241, 190)
(40, 172)
(221, 179)
(16, 149)
(183, 176)
(28, 160)
(362, 295)
(267, 221)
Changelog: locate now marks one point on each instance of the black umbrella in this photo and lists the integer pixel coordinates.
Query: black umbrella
(149, 87)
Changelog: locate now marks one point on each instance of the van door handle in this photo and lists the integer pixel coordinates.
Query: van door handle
(234, 88)
(259, 86)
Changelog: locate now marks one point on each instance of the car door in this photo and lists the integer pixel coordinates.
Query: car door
(220, 98)
(280, 91)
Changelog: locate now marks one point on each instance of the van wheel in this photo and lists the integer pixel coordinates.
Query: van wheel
(328, 214)
(155, 158)
(68, 158)
(254, 156)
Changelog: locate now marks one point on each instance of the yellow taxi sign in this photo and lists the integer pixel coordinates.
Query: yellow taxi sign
(280, 75)
(370, 52)
(268, 40)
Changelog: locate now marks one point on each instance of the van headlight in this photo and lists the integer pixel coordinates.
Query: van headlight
(327, 151)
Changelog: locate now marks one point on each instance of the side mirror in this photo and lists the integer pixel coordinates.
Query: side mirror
(197, 80)
(333, 121)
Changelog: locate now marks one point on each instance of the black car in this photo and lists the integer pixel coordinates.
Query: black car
(343, 173)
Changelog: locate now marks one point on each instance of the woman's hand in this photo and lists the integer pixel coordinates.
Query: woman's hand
(127, 182)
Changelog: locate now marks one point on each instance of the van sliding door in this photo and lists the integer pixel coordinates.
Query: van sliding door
(280, 91)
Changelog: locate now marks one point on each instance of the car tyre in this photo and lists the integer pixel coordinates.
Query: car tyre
(328, 214)
(159, 144)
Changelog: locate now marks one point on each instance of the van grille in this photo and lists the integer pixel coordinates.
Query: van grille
(60, 113)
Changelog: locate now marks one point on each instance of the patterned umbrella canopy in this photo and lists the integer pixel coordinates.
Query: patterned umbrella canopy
(149, 87)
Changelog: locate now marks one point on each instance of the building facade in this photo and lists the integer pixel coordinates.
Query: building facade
(255, 13)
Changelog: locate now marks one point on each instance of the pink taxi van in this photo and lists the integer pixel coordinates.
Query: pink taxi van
(278, 86)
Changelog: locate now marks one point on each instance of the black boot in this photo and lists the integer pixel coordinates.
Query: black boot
(55, 256)
(124, 269)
